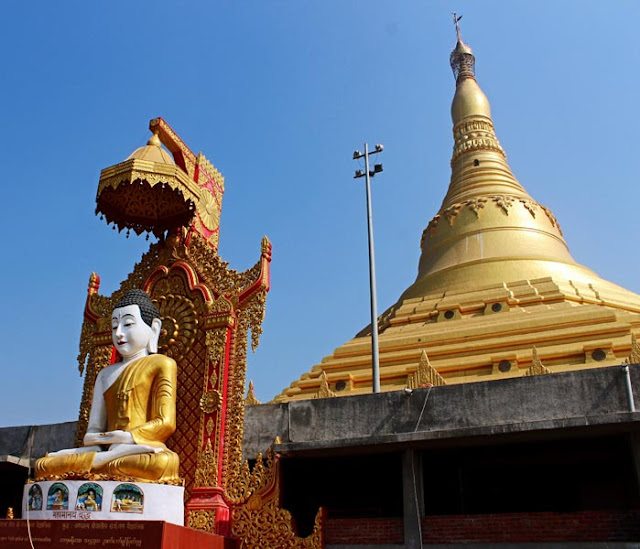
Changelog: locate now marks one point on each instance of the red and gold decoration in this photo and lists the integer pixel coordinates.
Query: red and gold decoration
(156, 191)
(207, 313)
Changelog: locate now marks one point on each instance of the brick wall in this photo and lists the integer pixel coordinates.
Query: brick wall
(371, 531)
(580, 526)
(584, 526)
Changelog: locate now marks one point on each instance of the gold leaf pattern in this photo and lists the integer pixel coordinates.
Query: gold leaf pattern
(536, 368)
(202, 519)
(425, 376)
(324, 391)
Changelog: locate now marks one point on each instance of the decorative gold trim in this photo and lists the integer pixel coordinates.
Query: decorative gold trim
(215, 342)
(211, 401)
(258, 519)
(207, 469)
(202, 519)
(425, 376)
(503, 201)
(634, 357)
(536, 368)
(251, 399)
(104, 477)
(209, 209)
(324, 391)
(475, 134)
(154, 173)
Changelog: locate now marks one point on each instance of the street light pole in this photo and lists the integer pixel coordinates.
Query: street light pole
(368, 174)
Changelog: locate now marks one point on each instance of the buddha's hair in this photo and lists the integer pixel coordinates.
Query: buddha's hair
(148, 311)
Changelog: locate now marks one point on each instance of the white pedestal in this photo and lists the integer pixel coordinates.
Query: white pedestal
(103, 500)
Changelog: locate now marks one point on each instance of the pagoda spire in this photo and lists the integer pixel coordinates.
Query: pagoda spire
(475, 141)
(495, 279)
(462, 60)
(489, 229)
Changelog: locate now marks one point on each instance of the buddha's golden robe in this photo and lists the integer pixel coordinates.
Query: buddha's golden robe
(142, 401)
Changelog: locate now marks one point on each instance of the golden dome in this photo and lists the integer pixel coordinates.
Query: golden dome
(469, 100)
(152, 152)
(496, 283)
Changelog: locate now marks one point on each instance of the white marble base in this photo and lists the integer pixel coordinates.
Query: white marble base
(103, 500)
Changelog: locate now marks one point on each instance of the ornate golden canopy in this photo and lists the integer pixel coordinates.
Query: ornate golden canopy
(156, 191)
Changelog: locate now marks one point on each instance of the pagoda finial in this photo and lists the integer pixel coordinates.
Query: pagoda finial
(462, 60)
(251, 399)
(456, 20)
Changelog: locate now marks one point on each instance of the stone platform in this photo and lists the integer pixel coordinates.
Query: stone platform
(57, 534)
(103, 500)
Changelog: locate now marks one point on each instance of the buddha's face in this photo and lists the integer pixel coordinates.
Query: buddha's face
(130, 334)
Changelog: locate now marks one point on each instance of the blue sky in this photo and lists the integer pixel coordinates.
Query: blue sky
(278, 95)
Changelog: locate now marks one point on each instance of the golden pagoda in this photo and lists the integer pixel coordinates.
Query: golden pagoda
(497, 294)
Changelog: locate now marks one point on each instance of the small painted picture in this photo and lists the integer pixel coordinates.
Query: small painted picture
(89, 497)
(127, 498)
(58, 497)
(35, 498)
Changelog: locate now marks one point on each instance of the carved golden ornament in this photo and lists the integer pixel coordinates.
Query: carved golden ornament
(210, 172)
(234, 423)
(210, 402)
(216, 272)
(429, 230)
(253, 480)
(255, 311)
(503, 201)
(9, 515)
(476, 204)
(634, 357)
(209, 209)
(203, 520)
(472, 135)
(552, 219)
(146, 196)
(530, 206)
(179, 325)
(251, 399)
(452, 212)
(216, 341)
(425, 376)
(94, 283)
(536, 368)
(271, 526)
(207, 467)
(100, 477)
(324, 391)
(210, 426)
(265, 246)
(213, 378)
(258, 519)
(250, 317)
(220, 305)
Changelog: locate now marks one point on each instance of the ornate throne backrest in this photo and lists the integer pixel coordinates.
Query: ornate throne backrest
(207, 311)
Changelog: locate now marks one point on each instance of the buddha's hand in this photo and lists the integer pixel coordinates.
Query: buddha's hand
(110, 437)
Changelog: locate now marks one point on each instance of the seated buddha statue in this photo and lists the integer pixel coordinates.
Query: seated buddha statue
(133, 411)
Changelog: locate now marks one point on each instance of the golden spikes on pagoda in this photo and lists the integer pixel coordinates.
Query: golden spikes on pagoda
(495, 281)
